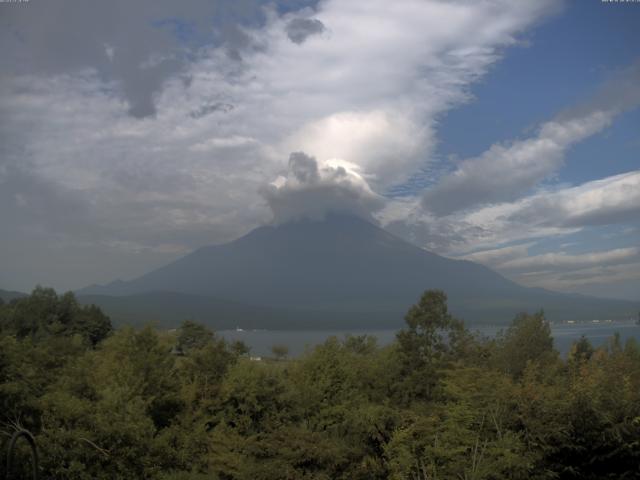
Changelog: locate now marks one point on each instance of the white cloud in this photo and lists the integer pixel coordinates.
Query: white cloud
(215, 143)
(379, 142)
(547, 213)
(364, 92)
(519, 225)
(369, 91)
(614, 199)
(362, 95)
(516, 259)
(614, 273)
(611, 200)
(498, 256)
(610, 280)
(360, 86)
(508, 171)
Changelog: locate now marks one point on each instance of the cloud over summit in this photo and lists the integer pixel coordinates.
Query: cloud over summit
(313, 191)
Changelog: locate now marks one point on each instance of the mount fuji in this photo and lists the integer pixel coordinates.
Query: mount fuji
(339, 272)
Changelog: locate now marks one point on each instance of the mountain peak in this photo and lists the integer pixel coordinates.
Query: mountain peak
(341, 265)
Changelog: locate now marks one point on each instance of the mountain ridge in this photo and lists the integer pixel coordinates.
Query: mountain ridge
(9, 295)
(345, 270)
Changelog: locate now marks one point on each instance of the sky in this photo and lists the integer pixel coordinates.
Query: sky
(502, 132)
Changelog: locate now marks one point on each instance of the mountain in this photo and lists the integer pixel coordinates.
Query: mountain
(8, 295)
(168, 308)
(340, 271)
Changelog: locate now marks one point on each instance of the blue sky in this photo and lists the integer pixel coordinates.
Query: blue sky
(503, 132)
(562, 62)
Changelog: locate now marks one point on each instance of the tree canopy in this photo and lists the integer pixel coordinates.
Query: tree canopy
(439, 402)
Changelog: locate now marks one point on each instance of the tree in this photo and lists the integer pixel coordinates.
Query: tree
(581, 350)
(528, 339)
(253, 398)
(360, 344)
(437, 403)
(280, 351)
(239, 348)
(202, 371)
(192, 336)
(44, 314)
(92, 324)
(426, 343)
(107, 413)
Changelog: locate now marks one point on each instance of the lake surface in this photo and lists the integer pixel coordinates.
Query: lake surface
(261, 341)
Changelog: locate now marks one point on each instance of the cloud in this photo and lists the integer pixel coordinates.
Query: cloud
(382, 144)
(370, 91)
(611, 273)
(498, 256)
(547, 213)
(133, 133)
(311, 191)
(615, 281)
(611, 200)
(516, 259)
(218, 110)
(608, 201)
(208, 108)
(564, 261)
(299, 29)
(509, 171)
(137, 46)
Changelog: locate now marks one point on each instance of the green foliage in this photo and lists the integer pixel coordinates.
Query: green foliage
(280, 351)
(528, 339)
(424, 347)
(193, 335)
(438, 403)
(44, 314)
(581, 351)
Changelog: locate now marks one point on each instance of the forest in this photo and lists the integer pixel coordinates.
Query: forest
(440, 402)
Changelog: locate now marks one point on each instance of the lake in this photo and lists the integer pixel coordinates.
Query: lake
(261, 341)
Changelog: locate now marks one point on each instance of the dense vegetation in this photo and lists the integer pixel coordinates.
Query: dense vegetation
(439, 403)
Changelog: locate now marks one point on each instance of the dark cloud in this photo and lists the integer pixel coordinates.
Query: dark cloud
(303, 168)
(299, 29)
(312, 192)
(138, 45)
(209, 108)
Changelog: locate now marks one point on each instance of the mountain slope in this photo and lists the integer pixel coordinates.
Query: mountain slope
(348, 268)
(8, 295)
